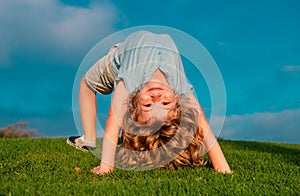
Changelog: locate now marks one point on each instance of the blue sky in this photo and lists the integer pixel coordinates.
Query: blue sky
(255, 44)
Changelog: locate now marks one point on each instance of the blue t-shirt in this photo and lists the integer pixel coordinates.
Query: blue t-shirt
(142, 53)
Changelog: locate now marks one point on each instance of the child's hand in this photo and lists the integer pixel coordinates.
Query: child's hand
(102, 169)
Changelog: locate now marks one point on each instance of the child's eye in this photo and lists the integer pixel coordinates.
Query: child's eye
(148, 105)
(165, 103)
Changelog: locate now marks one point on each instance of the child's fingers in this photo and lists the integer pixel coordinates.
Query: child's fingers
(96, 170)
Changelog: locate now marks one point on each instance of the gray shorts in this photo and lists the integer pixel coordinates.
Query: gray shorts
(101, 76)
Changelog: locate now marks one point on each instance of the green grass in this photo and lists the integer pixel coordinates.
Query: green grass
(47, 167)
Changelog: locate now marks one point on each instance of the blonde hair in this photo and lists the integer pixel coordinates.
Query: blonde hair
(177, 142)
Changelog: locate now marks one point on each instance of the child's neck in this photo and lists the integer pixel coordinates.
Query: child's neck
(158, 76)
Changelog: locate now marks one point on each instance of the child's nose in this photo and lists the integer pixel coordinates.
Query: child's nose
(156, 96)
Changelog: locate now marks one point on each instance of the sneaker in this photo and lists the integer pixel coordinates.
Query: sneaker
(77, 142)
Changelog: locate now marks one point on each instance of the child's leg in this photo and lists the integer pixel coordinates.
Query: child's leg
(99, 78)
(88, 111)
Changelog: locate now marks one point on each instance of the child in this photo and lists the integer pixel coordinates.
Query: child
(162, 123)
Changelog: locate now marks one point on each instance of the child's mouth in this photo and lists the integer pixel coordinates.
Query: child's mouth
(155, 88)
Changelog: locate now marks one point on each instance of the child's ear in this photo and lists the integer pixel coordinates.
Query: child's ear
(177, 100)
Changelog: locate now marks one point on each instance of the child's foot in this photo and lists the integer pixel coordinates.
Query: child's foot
(78, 143)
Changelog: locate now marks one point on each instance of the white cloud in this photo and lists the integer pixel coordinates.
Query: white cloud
(281, 126)
(41, 27)
(81, 24)
(291, 68)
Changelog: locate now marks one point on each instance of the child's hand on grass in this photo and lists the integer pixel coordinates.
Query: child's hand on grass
(102, 169)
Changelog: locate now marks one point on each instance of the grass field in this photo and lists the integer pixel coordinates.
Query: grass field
(47, 167)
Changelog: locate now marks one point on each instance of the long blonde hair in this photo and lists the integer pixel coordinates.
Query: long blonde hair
(177, 142)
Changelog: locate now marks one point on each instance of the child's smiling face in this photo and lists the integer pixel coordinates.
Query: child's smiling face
(156, 100)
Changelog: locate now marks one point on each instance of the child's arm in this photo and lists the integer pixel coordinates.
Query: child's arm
(211, 144)
(112, 130)
(110, 140)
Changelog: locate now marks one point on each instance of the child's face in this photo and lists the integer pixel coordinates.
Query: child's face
(157, 97)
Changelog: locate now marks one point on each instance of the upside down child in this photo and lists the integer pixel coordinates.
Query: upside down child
(162, 123)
